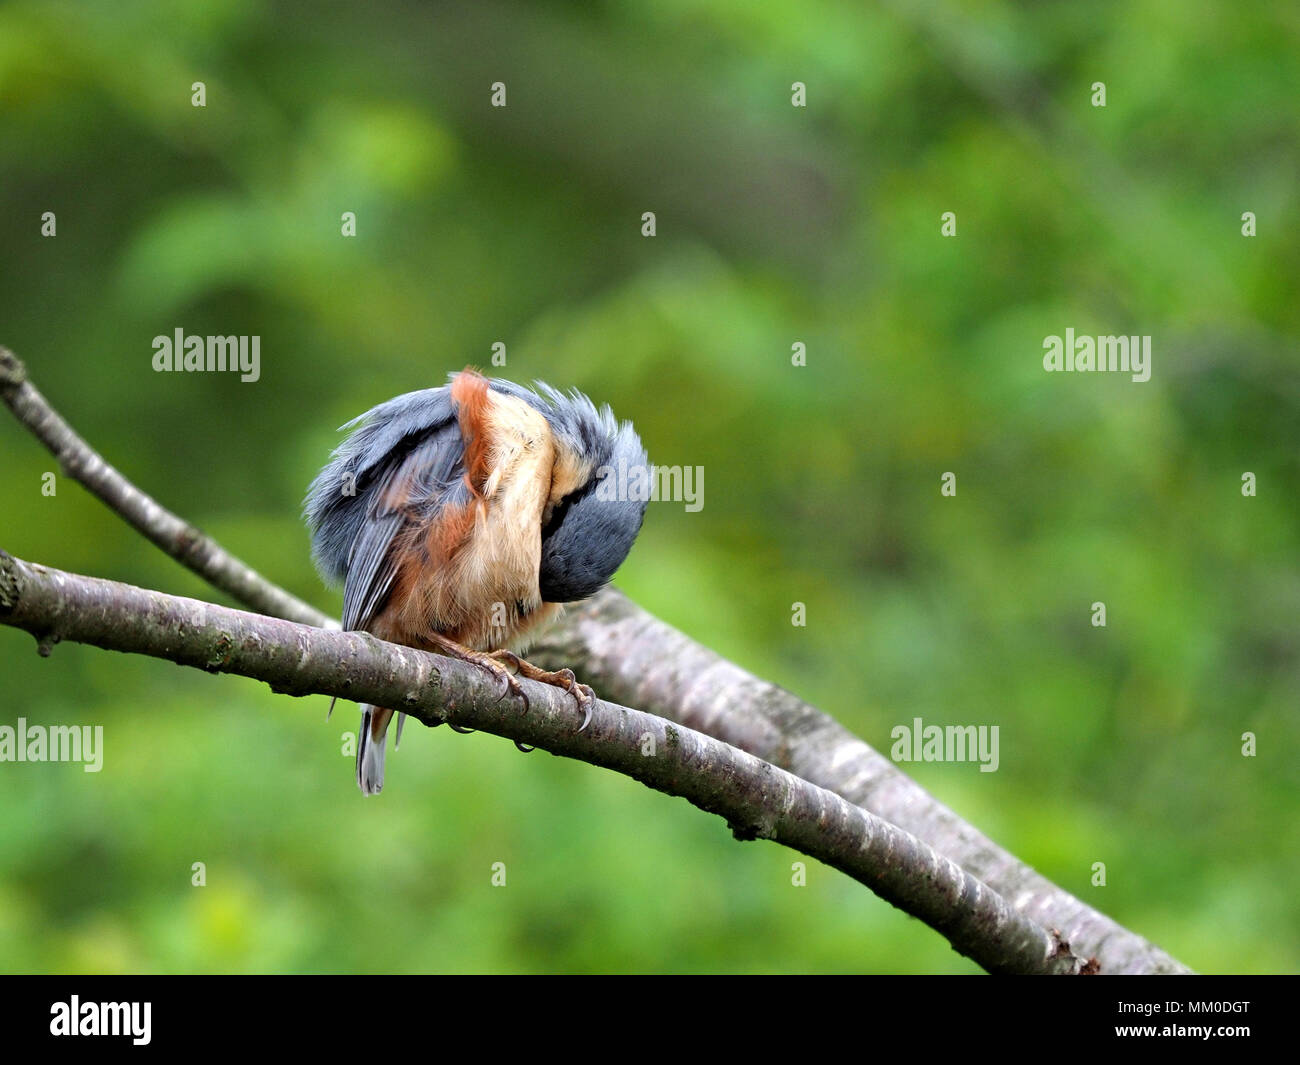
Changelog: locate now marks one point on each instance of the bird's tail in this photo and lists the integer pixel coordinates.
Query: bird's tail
(372, 738)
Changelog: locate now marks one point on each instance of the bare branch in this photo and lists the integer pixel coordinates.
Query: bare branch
(189, 546)
(628, 654)
(758, 800)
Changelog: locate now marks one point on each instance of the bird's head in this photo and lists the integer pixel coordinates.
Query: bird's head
(604, 479)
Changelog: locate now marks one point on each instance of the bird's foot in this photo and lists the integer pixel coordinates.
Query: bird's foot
(560, 678)
(452, 649)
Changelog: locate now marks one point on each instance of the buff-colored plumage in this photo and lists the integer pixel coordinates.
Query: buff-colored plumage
(483, 590)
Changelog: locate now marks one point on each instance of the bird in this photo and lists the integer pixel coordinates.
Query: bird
(460, 519)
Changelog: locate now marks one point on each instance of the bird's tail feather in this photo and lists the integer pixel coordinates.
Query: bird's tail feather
(372, 738)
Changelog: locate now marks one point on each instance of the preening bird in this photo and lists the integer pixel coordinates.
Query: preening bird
(460, 518)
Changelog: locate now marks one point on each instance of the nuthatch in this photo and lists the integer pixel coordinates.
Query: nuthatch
(460, 518)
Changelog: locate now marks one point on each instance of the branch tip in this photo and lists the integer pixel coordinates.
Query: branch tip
(10, 585)
(12, 371)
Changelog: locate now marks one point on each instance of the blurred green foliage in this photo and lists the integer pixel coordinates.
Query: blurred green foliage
(775, 224)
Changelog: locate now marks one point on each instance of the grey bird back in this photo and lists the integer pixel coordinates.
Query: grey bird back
(345, 493)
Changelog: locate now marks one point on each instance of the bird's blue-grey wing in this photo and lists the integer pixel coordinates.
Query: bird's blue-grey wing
(371, 568)
(402, 462)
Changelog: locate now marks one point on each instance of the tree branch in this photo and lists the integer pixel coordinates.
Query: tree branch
(628, 654)
(188, 545)
(758, 800)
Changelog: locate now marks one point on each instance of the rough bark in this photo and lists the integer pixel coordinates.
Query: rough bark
(758, 800)
(630, 655)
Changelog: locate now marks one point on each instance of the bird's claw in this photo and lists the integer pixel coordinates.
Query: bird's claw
(560, 678)
(582, 694)
(509, 686)
(515, 661)
(586, 699)
(513, 687)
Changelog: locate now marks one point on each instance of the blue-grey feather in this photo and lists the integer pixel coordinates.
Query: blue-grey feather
(414, 437)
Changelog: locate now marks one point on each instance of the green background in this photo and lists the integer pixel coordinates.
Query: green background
(776, 224)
